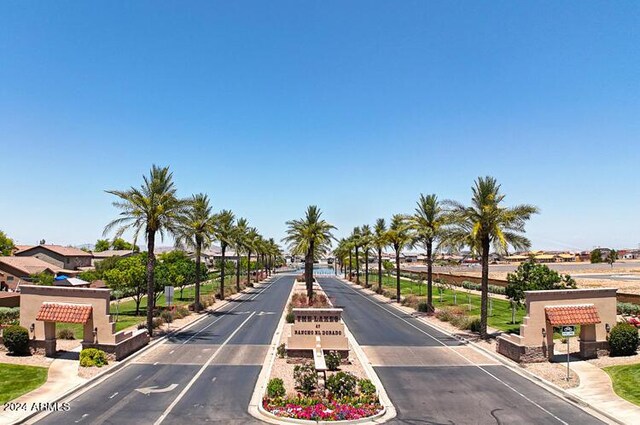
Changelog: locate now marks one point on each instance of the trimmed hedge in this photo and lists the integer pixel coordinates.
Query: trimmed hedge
(9, 315)
(623, 340)
(16, 339)
(628, 309)
(93, 357)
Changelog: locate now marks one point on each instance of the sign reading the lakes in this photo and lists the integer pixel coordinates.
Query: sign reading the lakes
(313, 323)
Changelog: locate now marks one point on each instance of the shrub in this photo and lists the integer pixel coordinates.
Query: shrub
(142, 325)
(275, 388)
(411, 301)
(299, 300)
(16, 339)
(290, 318)
(474, 324)
(366, 387)
(306, 378)
(167, 316)
(628, 309)
(342, 384)
(333, 360)
(281, 351)
(460, 321)
(93, 357)
(423, 307)
(157, 322)
(623, 340)
(66, 333)
(182, 312)
(9, 315)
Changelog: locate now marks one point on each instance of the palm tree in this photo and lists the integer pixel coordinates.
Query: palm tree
(356, 241)
(428, 222)
(224, 233)
(312, 237)
(380, 241)
(153, 208)
(399, 235)
(194, 230)
(487, 223)
(340, 252)
(239, 236)
(366, 238)
(250, 242)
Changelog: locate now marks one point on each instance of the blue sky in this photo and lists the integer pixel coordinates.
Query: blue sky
(357, 107)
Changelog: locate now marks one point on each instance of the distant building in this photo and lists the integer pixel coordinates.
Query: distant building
(63, 257)
(99, 256)
(17, 270)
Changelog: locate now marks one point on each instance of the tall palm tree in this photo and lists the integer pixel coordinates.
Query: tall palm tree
(428, 223)
(152, 208)
(340, 253)
(195, 230)
(366, 238)
(250, 242)
(224, 233)
(487, 223)
(239, 235)
(312, 237)
(399, 236)
(356, 241)
(380, 241)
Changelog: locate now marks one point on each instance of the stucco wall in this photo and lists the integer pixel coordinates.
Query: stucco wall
(32, 297)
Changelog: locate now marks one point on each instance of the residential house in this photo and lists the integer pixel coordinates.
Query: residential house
(63, 257)
(99, 256)
(17, 270)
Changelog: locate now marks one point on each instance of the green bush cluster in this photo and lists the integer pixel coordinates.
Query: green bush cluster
(366, 387)
(458, 318)
(474, 324)
(93, 357)
(333, 359)
(306, 378)
(181, 312)
(281, 351)
(493, 289)
(342, 384)
(623, 340)
(275, 388)
(16, 339)
(167, 316)
(9, 315)
(290, 317)
(628, 309)
(66, 333)
(423, 307)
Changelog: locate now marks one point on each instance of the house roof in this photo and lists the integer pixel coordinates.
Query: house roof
(586, 314)
(112, 253)
(73, 281)
(29, 265)
(63, 312)
(65, 251)
(19, 248)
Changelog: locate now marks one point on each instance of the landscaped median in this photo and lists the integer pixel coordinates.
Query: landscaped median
(329, 381)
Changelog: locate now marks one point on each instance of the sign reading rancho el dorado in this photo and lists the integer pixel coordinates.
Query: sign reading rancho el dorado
(311, 324)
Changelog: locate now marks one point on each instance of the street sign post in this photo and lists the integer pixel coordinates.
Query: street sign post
(168, 294)
(568, 332)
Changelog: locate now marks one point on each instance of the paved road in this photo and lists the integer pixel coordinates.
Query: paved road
(433, 378)
(209, 370)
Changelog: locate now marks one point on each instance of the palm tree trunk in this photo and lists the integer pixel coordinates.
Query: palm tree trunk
(308, 273)
(350, 269)
(430, 276)
(398, 275)
(357, 267)
(224, 248)
(484, 296)
(248, 267)
(238, 270)
(151, 262)
(196, 306)
(379, 270)
(366, 268)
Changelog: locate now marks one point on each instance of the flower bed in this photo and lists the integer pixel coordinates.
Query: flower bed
(322, 409)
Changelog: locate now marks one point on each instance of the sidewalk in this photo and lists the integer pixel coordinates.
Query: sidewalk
(63, 376)
(596, 389)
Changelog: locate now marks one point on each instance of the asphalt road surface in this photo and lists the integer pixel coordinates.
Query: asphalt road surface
(433, 378)
(206, 373)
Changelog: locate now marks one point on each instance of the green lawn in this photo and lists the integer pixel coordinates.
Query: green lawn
(500, 314)
(626, 381)
(127, 310)
(16, 380)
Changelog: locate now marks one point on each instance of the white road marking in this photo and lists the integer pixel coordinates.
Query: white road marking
(113, 395)
(172, 351)
(156, 363)
(214, 379)
(155, 389)
(137, 377)
(83, 416)
(197, 375)
(457, 353)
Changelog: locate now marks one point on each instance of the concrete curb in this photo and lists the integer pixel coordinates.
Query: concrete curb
(541, 382)
(99, 378)
(257, 411)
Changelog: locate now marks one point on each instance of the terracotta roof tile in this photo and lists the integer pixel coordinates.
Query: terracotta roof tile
(586, 314)
(63, 312)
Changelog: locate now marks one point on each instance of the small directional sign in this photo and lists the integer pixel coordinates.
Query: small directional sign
(568, 331)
